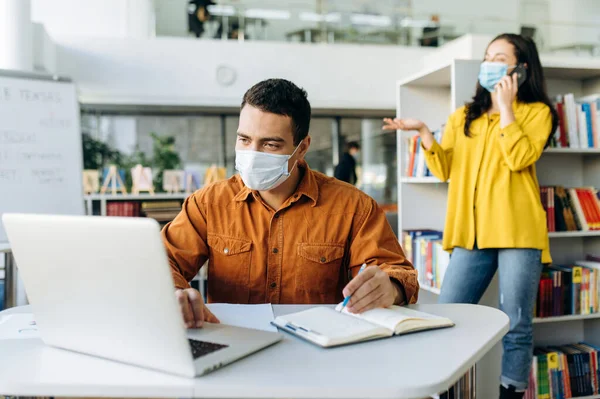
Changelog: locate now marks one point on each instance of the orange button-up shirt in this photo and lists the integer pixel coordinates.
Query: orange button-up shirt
(303, 253)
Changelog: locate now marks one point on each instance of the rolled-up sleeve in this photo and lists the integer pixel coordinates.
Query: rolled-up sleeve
(185, 241)
(375, 243)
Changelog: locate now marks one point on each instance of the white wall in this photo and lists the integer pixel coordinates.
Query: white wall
(472, 16)
(106, 18)
(575, 21)
(181, 71)
(44, 50)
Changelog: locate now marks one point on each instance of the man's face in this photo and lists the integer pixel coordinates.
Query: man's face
(267, 132)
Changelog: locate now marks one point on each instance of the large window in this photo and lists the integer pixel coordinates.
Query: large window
(203, 140)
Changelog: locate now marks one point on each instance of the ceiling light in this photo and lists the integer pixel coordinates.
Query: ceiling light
(370, 19)
(267, 14)
(314, 17)
(222, 10)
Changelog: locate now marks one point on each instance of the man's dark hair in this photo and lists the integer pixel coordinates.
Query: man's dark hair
(352, 145)
(282, 97)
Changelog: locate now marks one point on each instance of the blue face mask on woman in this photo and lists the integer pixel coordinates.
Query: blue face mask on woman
(490, 73)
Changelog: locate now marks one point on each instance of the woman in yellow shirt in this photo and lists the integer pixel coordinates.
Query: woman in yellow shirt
(495, 219)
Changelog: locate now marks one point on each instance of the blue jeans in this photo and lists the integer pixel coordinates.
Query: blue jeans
(469, 274)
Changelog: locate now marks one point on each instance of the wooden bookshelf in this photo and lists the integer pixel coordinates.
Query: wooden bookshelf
(432, 95)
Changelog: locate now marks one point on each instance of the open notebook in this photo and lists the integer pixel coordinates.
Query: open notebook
(327, 327)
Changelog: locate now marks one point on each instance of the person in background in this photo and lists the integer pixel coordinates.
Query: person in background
(429, 38)
(346, 169)
(197, 15)
(496, 220)
(267, 231)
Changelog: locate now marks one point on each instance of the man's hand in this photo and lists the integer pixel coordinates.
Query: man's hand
(372, 289)
(193, 309)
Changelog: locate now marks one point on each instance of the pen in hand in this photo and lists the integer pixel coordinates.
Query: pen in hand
(347, 299)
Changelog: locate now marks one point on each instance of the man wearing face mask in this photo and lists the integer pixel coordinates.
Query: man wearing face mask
(346, 169)
(279, 232)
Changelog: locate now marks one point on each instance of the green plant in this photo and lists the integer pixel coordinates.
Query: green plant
(164, 158)
(97, 155)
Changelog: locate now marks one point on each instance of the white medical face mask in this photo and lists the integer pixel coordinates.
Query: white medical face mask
(263, 171)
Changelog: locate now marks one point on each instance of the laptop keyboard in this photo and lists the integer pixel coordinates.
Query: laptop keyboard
(203, 348)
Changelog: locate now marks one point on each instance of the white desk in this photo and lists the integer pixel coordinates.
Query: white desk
(411, 366)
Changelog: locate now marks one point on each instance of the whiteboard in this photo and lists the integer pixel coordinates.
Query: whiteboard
(41, 158)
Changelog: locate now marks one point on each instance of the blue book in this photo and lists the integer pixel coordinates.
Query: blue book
(587, 109)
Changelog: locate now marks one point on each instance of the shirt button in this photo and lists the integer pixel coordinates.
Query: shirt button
(323, 260)
(275, 250)
(273, 285)
(501, 134)
(226, 251)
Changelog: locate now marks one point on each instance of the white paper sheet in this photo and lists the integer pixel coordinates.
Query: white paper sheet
(18, 326)
(258, 317)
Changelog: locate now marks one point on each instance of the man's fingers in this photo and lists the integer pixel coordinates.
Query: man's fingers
(209, 316)
(364, 296)
(376, 302)
(359, 280)
(184, 305)
(197, 306)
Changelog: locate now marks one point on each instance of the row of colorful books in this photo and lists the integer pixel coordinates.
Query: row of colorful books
(414, 156)
(424, 249)
(567, 371)
(161, 211)
(579, 122)
(465, 388)
(569, 289)
(123, 208)
(571, 209)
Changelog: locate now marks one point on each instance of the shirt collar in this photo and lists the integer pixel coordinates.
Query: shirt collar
(308, 186)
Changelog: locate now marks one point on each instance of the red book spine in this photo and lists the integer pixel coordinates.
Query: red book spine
(562, 125)
(591, 195)
(552, 209)
(585, 207)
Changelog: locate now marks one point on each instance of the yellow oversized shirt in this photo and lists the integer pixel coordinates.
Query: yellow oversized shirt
(493, 193)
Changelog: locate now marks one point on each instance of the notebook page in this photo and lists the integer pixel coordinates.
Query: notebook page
(332, 324)
(391, 317)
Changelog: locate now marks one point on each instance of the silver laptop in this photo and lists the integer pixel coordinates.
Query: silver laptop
(102, 286)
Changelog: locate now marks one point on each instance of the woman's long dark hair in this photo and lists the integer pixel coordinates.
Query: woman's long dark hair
(532, 90)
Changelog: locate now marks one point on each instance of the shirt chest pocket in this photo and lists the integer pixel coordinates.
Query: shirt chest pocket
(320, 267)
(229, 268)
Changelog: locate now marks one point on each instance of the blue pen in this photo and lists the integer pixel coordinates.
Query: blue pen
(347, 299)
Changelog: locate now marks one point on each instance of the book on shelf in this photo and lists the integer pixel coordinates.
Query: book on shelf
(465, 388)
(424, 249)
(2, 290)
(566, 371)
(569, 290)
(579, 122)
(123, 208)
(571, 209)
(161, 211)
(414, 157)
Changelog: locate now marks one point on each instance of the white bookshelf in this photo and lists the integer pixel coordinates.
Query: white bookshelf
(432, 96)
